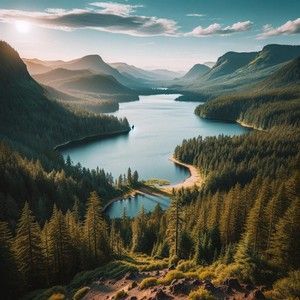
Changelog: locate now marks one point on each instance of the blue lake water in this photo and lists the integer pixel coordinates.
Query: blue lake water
(160, 123)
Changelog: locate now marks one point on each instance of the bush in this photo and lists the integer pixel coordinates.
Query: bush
(174, 274)
(148, 282)
(288, 287)
(120, 295)
(186, 265)
(174, 260)
(81, 293)
(201, 294)
(55, 293)
(154, 266)
(57, 296)
(206, 274)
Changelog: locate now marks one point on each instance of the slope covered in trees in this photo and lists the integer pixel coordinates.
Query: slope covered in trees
(34, 124)
(274, 101)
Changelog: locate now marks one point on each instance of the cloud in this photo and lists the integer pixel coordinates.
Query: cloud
(114, 8)
(290, 27)
(103, 16)
(195, 15)
(217, 29)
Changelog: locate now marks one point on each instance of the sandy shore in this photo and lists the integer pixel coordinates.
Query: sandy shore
(195, 178)
(249, 126)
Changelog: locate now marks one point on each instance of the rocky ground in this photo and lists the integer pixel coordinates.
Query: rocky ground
(129, 288)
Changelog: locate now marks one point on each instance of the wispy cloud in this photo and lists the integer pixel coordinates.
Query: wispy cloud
(195, 15)
(115, 8)
(217, 29)
(103, 16)
(290, 27)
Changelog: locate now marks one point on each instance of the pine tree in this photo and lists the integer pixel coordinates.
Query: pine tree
(135, 178)
(175, 224)
(60, 245)
(256, 227)
(129, 176)
(285, 242)
(95, 230)
(10, 280)
(28, 250)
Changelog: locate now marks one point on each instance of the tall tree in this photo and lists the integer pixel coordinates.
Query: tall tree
(28, 250)
(175, 224)
(95, 230)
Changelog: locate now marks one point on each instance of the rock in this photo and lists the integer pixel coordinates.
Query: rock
(161, 295)
(181, 286)
(233, 283)
(133, 285)
(256, 295)
(196, 282)
(133, 298)
(130, 276)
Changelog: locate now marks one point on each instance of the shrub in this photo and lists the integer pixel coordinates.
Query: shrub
(120, 295)
(185, 266)
(206, 274)
(201, 294)
(174, 274)
(193, 275)
(81, 293)
(174, 260)
(154, 266)
(54, 293)
(148, 282)
(288, 287)
(57, 296)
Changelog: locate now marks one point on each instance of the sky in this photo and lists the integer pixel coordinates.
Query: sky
(172, 34)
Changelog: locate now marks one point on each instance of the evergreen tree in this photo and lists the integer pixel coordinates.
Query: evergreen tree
(285, 243)
(95, 230)
(129, 176)
(60, 246)
(28, 250)
(175, 224)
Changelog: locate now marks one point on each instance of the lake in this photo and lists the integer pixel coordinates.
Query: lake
(160, 124)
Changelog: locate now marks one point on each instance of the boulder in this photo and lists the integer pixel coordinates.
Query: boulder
(161, 295)
(181, 286)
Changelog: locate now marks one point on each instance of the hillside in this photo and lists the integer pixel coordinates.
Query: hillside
(238, 71)
(274, 101)
(36, 67)
(30, 121)
(229, 63)
(195, 72)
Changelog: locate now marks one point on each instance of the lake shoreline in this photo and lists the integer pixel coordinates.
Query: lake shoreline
(90, 138)
(194, 180)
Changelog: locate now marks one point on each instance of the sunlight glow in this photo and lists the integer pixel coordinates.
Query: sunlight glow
(23, 26)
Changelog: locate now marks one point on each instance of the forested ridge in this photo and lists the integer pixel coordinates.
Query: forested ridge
(274, 101)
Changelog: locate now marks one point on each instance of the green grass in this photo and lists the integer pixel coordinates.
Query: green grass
(201, 294)
(120, 295)
(81, 293)
(148, 282)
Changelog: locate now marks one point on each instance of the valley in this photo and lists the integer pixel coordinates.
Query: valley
(125, 178)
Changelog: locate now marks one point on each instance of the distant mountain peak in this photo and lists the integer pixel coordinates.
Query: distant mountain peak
(196, 71)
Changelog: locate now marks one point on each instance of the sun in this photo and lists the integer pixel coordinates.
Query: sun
(23, 26)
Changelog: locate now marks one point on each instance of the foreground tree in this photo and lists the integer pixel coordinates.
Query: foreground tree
(95, 231)
(28, 250)
(175, 223)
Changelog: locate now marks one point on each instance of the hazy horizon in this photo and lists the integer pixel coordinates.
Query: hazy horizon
(147, 34)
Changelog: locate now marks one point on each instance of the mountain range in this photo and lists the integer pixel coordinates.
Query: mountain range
(27, 113)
